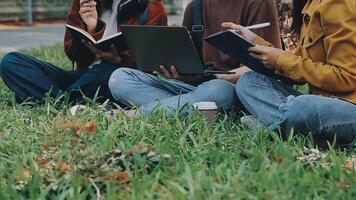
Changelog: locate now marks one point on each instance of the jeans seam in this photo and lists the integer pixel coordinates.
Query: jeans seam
(337, 125)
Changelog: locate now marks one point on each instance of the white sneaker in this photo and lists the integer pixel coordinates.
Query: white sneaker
(77, 108)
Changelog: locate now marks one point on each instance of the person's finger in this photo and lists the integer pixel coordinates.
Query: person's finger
(174, 72)
(232, 26)
(157, 73)
(85, 10)
(88, 4)
(86, 15)
(256, 49)
(165, 72)
(258, 56)
(81, 2)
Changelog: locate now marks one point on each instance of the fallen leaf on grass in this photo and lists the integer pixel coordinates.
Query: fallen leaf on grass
(22, 180)
(342, 186)
(122, 177)
(75, 125)
(46, 146)
(26, 172)
(42, 161)
(277, 158)
(64, 168)
(313, 157)
(83, 146)
(350, 164)
(143, 148)
(91, 128)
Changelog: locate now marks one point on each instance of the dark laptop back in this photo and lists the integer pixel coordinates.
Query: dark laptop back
(155, 46)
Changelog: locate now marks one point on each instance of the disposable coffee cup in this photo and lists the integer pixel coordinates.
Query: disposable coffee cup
(209, 110)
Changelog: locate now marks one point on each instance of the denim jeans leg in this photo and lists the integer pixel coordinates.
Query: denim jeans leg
(325, 117)
(93, 82)
(31, 78)
(262, 96)
(136, 88)
(219, 91)
(147, 92)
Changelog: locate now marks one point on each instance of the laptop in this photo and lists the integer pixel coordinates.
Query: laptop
(155, 46)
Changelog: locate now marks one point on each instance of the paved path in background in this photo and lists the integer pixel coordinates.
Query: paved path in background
(12, 38)
(16, 38)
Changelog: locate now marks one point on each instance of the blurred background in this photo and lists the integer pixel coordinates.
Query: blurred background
(17, 10)
(31, 23)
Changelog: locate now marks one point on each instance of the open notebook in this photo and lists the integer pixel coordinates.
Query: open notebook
(103, 44)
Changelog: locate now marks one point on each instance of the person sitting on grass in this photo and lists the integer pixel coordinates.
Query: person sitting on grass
(31, 79)
(146, 91)
(325, 60)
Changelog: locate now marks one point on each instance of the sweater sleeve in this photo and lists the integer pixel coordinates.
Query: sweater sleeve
(188, 17)
(338, 72)
(75, 50)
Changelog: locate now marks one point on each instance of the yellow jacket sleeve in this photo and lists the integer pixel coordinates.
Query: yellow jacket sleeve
(337, 73)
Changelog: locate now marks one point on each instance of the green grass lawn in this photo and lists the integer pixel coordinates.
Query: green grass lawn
(46, 153)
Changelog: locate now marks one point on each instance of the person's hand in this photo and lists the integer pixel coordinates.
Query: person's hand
(233, 78)
(89, 14)
(172, 73)
(244, 32)
(267, 55)
(112, 56)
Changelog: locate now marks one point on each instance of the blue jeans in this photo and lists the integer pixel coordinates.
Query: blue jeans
(135, 88)
(277, 105)
(31, 79)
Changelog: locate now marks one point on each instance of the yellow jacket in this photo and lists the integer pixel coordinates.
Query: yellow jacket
(326, 55)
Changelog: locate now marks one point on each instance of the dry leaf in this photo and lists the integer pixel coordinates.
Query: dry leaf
(75, 125)
(143, 148)
(42, 160)
(278, 159)
(350, 164)
(46, 146)
(128, 153)
(64, 167)
(342, 186)
(83, 146)
(122, 177)
(91, 128)
(26, 172)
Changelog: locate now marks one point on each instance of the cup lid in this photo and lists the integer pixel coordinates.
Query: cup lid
(205, 106)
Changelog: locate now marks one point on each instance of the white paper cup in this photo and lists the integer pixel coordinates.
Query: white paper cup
(209, 109)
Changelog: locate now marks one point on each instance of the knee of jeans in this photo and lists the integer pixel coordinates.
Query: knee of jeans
(225, 92)
(244, 83)
(302, 114)
(7, 63)
(117, 81)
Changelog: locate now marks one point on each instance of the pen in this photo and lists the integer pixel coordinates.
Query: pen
(256, 26)
(218, 72)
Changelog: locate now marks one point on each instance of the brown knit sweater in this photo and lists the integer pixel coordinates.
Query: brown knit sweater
(243, 12)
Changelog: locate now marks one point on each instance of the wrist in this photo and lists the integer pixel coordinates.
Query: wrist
(91, 28)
